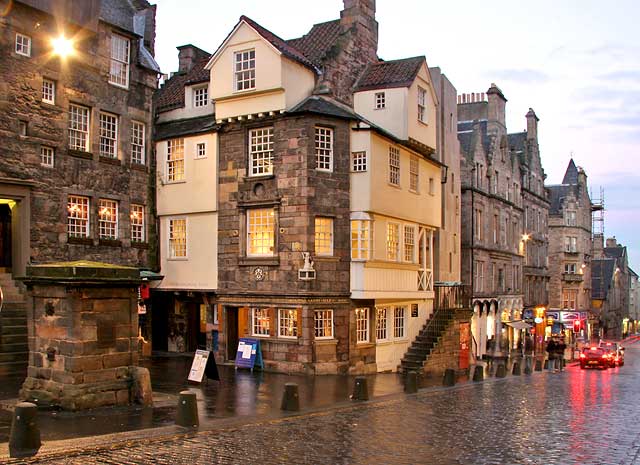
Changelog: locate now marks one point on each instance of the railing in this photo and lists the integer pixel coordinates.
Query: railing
(572, 277)
(425, 280)
(452, 296)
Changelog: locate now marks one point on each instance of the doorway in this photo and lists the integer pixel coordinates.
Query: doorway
(5, 236)
(232, 332)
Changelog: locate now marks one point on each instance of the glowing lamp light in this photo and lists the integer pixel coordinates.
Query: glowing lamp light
(526, 237)
(74, 208)
(62, 46)
(104, 211)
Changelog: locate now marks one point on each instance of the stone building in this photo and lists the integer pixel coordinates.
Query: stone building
(76, 84)
(570, 250)
(492, 221)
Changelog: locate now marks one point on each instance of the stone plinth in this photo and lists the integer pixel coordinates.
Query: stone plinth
(83, 324)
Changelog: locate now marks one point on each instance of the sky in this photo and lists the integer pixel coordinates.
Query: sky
(575, 62)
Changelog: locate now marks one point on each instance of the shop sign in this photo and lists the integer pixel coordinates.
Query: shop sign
(465, 345)
(569, 317)
(538, 320)
(203, 363)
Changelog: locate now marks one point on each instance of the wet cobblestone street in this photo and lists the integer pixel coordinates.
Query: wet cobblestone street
(584, 417)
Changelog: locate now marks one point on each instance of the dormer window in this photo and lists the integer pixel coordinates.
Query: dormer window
(380, 99)
(119, 70)
(200, 96)
(422, 105)
(245, 70)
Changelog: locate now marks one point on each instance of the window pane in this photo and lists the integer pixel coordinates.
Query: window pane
(78, 216)
(175, 160)
(78, 128)
(324, 149)
(138, 143)
(108, 219)
(394, 166)
(288, 322)
(108, 135)
(245, 70)
(381, 324)
(137, 223)
(393, 241)
(260, 322)
(362, 325)
(119, 71)
(178, 238)
(260, 231)
(323, 324)
(324, 236)
(261, 151)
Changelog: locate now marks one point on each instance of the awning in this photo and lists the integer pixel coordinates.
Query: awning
(518, 325)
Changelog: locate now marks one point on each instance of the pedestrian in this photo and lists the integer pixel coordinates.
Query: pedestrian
(551, 349)
(490, 344)
(560, 348)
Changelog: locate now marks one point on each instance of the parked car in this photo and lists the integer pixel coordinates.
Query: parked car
(595, 357)
(617, 352)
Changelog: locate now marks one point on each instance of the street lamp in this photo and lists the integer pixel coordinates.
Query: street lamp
(62, 46)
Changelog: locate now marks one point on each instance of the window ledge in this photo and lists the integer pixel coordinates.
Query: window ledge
(364, 345)
(326, 258)
(256, 261)
(383, 343)
(139, 167)
(110, 242)
(395, 186)
(110, 161)
(139, 245)
(79, 240)
(259, 177)
(80, 154)
(325, 341)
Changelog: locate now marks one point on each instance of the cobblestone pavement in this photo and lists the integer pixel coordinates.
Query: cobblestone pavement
(587, 417)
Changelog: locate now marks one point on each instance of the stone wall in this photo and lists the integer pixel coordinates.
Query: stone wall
(447, 353)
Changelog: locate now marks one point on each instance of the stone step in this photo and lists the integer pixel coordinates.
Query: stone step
(6, 320)
(13, 368)
(409, 365)
(9, 339)
(14, 357)
(13, 329)
(8, 307)
(15, 347)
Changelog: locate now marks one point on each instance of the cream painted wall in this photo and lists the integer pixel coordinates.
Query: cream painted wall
(298, 82)
(393, 117)
(198, 192)
(189, 111)
(360, 192)
(390, 353)
(422, 132)
(199, 271)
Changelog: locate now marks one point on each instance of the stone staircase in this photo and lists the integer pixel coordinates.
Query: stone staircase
(14, 350)
(427, 340)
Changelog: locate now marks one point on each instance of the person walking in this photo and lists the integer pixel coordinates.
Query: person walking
(551, 350)
(560, 348)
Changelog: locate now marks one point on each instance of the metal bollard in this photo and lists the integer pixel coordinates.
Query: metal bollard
(501, 371)
(290, 398)
(449, 377)
(411, 383)
(538, 365)
(24, 439)
(187, 415)
(360, 389)
(478, 373)
(546, 364)
(516, 369)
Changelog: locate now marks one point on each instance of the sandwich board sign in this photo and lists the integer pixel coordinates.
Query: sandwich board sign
(249, 354)
(203, 363)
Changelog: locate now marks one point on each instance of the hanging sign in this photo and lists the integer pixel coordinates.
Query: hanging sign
(249, 353)
(203, 363)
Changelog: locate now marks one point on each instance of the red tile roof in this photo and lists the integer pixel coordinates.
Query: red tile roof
(171, 94)
(318, 41)
(388, 74)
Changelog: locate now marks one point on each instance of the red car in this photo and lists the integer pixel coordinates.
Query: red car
(595, 357)
(617, 352)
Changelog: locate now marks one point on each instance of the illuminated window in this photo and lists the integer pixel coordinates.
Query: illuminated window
(394, 166)
(414, 174)
(261, 151)
(362, 325)
(409, 244)
(108, 135)
(324, 236)
(380, 99)
(245, 70)
(78, 216)
(260, 232)
(569, 298)
(422, 105)
(399, 322)
(175, 160)
(178, 238)
(360, 239)
(381, 324)
(78, 128)
(48, 91)
(107, 219)
(137, 223)
(323, 324)
(23, 45)
(200, 96)
(46, 156)
(288, 322)
(359, 162)
(138, 154)
(393, 242)
(324, 149)
(260, 323)
(119, 70)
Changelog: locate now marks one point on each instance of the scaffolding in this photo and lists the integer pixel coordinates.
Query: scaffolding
(597, 213)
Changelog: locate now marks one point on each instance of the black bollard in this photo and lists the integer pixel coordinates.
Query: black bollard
(516, 369)
(290, 398)
(538, 365)
(478, 373)
(449, 377)
(501, 371)
(360, 389)
(411, 382)
(546, 364)
(24, 438)
(187, 415)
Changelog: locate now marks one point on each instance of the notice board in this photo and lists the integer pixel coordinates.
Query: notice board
(249, 353)
(203, 363)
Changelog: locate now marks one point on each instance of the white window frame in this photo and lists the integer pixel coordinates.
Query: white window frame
(23, 45)
(137, 218)
(201, 150)
(267, 239)
(78, 224)
(321, 328)
(79, 127)
(571, 218)
(258, 316)
(261, 151)
(120, 58)
(177, 244)
(570, 268)
(108, 135)
(571, 244)
(414, 174)
(138, 143)
(399, 315)
(422, 105)
(361, 237)
(394, 166)
(324, 148)
(48, 91)
(393, 242)
(362, 325)
(569, 296)
(323, 232)
(108, 219)
(244, 77)
(175, 167)
(359, 161)
(380, 101)
(284, 323)
(382, 330)
(47, 156)
(201, 96)
(409, 243)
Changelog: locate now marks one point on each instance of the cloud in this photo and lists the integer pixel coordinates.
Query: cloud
(525, 76)
(622, 75)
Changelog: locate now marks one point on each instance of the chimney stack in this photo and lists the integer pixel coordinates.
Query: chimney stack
(612, 242)
(361, 15)
(188, 55)
(532, 125)
(497, 104)
(598, 246)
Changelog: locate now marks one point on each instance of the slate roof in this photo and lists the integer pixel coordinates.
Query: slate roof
(324, 106)
(614, 252)
(389, 74)
(557, 193)
(518, 141)
(467, 137)
(185, 127)
(571, 175)
(318, 41)
(601, 275)
(171, 94)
